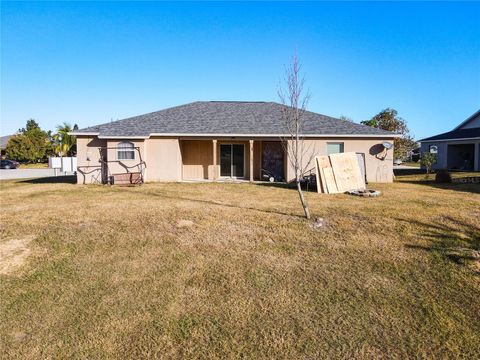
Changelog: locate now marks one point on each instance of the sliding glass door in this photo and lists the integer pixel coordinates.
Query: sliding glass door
(232, 160)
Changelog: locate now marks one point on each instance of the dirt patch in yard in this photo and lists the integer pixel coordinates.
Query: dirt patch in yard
(14, 253)
(163, 270)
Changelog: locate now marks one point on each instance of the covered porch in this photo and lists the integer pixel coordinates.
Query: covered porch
(235, 159)
(463, 156)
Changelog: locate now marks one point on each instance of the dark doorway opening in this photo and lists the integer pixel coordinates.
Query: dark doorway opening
(273, 160)
(461, 157)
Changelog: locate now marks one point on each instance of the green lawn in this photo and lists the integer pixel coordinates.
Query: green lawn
(233, 271)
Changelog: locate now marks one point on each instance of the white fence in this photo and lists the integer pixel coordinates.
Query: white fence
(64, 164)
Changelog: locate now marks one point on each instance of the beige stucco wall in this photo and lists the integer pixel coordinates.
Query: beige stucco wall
(164, 159)
(161, 155)
(377, 170)
(88, 159)
(116, 166)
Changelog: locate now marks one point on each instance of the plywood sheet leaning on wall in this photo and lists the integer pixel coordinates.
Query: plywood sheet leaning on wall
(339, 173)
(346, 169)
(321, 162)
(330, 181)
(325, 178)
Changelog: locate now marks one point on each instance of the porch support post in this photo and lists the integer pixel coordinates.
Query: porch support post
(476, 157)
(214, 159)
(251, 160)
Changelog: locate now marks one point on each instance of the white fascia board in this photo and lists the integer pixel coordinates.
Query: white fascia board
(83, 133)
(279, 135)
(122, 137)
(381, 136)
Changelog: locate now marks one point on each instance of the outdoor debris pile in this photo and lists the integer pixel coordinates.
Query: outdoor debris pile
(339, 173)
(364, 193)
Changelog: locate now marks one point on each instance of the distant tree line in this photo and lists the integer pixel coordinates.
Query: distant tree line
(389, 120)
(31, 144)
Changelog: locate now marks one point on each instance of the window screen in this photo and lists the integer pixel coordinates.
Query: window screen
(125, 151)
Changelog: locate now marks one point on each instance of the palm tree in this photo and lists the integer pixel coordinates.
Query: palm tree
(63, 142)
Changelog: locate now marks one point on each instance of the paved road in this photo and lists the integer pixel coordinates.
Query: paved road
(28, 173)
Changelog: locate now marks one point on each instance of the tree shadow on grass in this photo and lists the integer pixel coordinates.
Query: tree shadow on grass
(62, 179)
(463, 187)
(401, 172)
(288, 186)
(222, 204)
(417, 177)
(452, 239)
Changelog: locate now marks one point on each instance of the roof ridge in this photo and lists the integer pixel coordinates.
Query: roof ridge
(149, 113)
(235, 101)
(225, 117)
(467, 120)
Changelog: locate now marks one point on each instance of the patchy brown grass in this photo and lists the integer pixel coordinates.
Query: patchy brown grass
(34, 166)
(13, 254)
(233, 270)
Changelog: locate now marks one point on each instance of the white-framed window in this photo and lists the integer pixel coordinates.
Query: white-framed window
(334, 148)
(433, 149)
(126, 151)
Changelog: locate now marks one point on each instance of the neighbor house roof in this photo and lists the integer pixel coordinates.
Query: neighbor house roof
(455, 135)
(470, 118)
(458, 133)
(4, 141)
(229, 118)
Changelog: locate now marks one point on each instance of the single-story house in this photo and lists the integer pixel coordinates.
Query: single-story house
(213, 140)
(3, 143)
(458, 149)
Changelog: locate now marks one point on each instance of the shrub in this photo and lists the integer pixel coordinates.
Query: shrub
(427, 160)
(443, 176)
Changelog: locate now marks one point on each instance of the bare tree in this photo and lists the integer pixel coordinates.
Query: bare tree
(295, 101)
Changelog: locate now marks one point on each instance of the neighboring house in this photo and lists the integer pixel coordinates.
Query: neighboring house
(220, 140)
(458, 149)
(3, 143)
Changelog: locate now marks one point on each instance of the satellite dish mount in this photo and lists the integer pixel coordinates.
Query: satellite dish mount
(386, 146)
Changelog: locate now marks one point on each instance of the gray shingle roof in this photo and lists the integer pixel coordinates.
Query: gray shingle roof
(4, 141)
(456, 134)
(226, 117)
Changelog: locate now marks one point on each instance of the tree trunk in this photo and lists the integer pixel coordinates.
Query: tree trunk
(302, 199)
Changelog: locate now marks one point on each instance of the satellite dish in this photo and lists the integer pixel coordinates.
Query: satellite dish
(387, 145)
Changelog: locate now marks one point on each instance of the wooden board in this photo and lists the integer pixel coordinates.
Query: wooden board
(321, 162)
(347, 172)
(330, 182)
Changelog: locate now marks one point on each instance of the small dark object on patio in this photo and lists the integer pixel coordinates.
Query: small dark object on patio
(443, 176)
(364, 193)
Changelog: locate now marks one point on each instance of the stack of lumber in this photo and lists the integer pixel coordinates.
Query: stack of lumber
(338, 173)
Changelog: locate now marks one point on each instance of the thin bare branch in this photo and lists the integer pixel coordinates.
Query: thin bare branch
(295, 101)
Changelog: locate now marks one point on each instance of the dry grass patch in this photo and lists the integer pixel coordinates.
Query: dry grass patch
(233, 270)
(14, 253)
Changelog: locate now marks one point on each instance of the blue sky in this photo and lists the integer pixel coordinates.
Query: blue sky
(90, 62)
